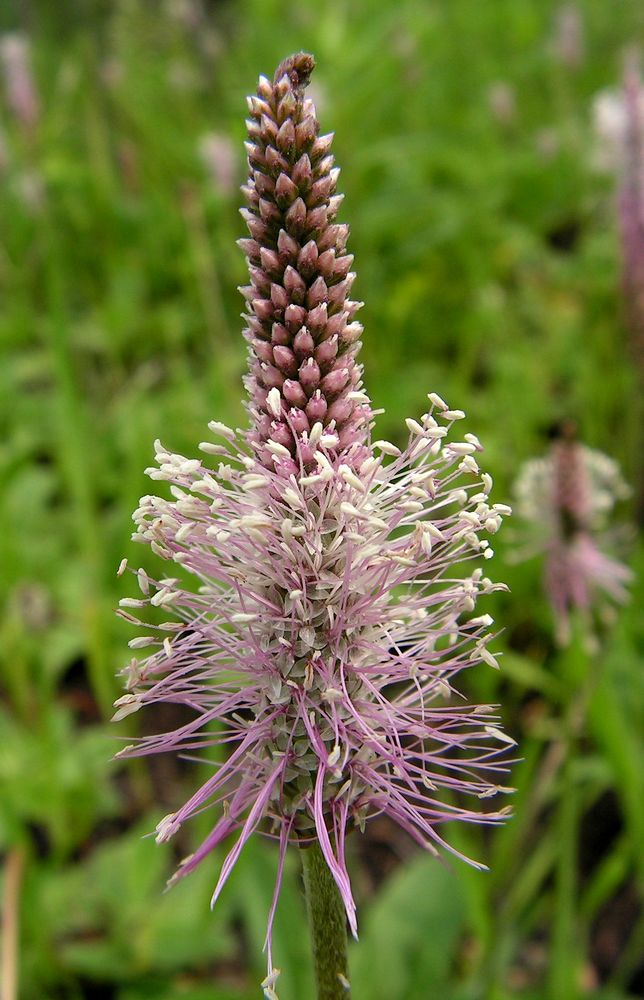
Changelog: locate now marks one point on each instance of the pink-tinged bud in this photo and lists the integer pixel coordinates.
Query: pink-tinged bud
(275, 161)
(334, 237)
(261, 280)
(268, 211)
(264, 425)
(316, 219)
(286, 137)
(317, 318)
(339, 411)
(285, 468)
(295, 316)
(281, 433)
(320, 190)
(264, 184)
(252, 195)
(258, 392)
(309, 375)
(307, 259)
(299, 420)
(295, 285)
(263, 308)
(327, 351)
(305, 132)
(268, 128)
(302, 176)
(322, 145)
(339, 292)
(294, 393)
(262, 349)
(280, 335)
(334, 325)
(342, 266)
(351, 333)
(285, 360)
(325, 164)
(317, 293)
(296, 216)
(256, 157)
(287, 106)
(316, 407)
(264, 89)
(257, 228)
(287, 246)
(307, 453)
(250, 248)
(256, 326)
(303, 343)
(326, 260)
(271, 377)
(279, 297)
(334, 382)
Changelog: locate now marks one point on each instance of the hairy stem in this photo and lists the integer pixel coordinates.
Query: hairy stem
(328, 925)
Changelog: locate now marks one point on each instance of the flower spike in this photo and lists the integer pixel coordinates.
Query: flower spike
(300, 322)
(321, 597)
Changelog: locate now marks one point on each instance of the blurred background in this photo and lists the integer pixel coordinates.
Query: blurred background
(485, 155)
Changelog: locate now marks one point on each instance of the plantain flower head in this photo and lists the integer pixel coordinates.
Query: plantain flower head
(568, 496)
(322, 586)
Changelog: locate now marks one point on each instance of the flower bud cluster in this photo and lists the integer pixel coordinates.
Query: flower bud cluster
(300, 323)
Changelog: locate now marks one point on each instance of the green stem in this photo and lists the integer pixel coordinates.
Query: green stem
(328, 925)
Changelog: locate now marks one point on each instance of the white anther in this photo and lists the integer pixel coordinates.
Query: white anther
(218, 428)
(350, 477)
(183, 532)
(274, 402)
(414, 427)
(387, 448)
(498, 734)
(277, 449)
(126, 705)
(141, 641)
(212, 449)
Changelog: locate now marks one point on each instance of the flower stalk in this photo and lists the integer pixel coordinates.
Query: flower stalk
(328, 926)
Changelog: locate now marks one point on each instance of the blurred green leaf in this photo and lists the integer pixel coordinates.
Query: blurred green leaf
(409, 940)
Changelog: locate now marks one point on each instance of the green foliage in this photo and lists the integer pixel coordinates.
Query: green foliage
(487, 257)
(394, 958)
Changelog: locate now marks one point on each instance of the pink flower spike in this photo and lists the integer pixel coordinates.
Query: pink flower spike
(321, 590)
(566, 497)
